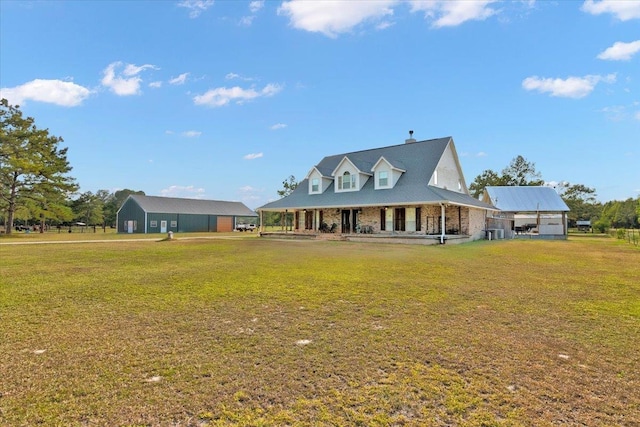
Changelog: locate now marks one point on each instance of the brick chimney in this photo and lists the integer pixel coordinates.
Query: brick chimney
(411, 139)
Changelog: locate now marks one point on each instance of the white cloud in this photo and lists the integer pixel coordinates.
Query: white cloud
(247, 189)
(615, 113)
(127, 82)
(571, 87)
(134, 70)
(253, 156)
(637, 116)
(192, 133)
(63, 93)
(155, 84)
(334, 17)
(450, 13)
(188, 191)
(384, 25)
(180, 80)
(246, 21)
(256, 5)
(250, 195)
(278, 126)
(234, 76)
(221, 96)
(196, 7)
(620, 51)
(481, 154)
(624, 10)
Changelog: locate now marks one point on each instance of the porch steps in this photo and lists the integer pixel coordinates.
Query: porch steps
(330, 236)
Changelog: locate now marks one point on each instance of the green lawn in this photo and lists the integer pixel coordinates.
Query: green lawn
(260, 332)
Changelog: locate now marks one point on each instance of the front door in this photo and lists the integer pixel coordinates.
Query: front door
(308, 220)
(346, 221)
(399, 219)
(163, 226)
(129, 226)
(354, 221)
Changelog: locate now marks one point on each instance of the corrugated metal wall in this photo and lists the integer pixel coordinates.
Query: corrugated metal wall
(156, 227)
(130, 211)
(193, 223)
(183, 223)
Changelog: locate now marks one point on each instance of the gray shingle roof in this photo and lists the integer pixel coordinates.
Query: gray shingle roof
(418, 159)
(526, 199)
(154, 204)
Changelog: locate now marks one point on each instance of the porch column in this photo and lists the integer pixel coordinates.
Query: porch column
(444, 226)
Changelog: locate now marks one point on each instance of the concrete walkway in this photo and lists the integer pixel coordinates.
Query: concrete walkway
(148, 239)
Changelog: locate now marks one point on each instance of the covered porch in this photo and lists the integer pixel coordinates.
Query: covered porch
(416, 224)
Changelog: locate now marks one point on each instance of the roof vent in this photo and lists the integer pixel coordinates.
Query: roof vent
(411, 139)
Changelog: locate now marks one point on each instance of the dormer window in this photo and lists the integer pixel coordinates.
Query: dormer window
(383, 179)
(315, 185)
(347, 181)
(386, 173)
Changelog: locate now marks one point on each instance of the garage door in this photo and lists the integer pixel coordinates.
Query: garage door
(225, 223)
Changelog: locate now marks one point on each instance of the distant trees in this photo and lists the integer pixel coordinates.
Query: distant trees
(33, 169)
(88, 208)
(619, 214)
(581, 201)
(487, 178)
(114, 201)
(275, 218)
(519, 172)
(288, 185)
(100, 208)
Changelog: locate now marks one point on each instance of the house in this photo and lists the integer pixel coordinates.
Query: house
(527, 212)
(150, 214)
(413, 192)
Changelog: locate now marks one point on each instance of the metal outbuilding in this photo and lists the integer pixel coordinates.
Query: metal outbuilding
(527, 212)
(152, 214)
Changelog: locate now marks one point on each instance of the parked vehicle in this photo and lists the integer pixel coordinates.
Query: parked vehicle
(245, 227)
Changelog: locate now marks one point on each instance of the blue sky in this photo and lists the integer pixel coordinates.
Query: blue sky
(225, 99)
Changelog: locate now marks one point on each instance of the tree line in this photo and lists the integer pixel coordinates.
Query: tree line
(580, 199)
(36, 188)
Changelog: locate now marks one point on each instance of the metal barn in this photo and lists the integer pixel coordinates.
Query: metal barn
(151, 214)
(531, 212)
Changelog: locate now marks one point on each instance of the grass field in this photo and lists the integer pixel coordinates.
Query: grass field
(258, 332)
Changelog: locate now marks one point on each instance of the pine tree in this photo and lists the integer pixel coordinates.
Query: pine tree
(33, 170)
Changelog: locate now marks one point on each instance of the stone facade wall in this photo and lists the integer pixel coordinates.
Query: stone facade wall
(458, 220)
(477, 219)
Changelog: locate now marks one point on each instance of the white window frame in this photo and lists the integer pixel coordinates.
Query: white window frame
(384, 184)
(315, 185)
(347, 181)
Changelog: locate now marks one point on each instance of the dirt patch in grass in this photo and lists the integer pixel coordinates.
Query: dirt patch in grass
(255, 332)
